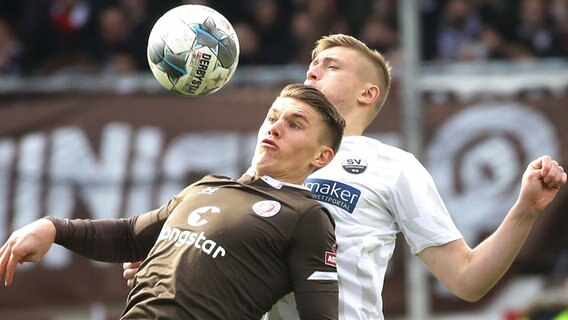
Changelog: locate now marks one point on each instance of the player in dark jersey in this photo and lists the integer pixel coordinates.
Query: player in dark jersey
(223, 248)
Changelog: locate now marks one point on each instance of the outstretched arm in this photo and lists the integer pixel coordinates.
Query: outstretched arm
(109, 240)
(471, 273)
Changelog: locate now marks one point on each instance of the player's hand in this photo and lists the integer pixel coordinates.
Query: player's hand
(129, 271)
(542, 180)
(28, 244)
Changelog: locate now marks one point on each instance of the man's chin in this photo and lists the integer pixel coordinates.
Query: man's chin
(263, 165)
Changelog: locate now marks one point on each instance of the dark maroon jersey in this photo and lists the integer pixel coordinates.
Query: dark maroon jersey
(228, 249)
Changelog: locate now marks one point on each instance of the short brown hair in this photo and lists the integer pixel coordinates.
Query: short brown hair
(381, 64)
(317, 100)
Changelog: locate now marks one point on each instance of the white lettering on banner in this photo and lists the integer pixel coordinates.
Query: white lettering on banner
(76, 168)
(28, 192)
(482, 147)
(204, 153)
(144, 171)
(28, 186)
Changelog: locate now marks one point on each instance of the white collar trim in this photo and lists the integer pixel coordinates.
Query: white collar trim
(277, 184)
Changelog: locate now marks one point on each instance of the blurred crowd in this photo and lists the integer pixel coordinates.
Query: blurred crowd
(39, 37)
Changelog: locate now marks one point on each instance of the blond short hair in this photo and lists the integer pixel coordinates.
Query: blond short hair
(383, 67)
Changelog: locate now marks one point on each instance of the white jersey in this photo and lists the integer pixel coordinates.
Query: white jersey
(374, 191)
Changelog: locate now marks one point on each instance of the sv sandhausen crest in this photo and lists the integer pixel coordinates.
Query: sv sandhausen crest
(354, 166)
(266, 208)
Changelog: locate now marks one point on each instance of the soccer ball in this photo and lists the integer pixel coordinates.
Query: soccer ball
(193, 50)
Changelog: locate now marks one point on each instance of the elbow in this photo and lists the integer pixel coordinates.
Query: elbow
(470, 291)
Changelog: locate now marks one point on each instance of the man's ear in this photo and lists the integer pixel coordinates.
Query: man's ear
(370, 94)
(323, 157)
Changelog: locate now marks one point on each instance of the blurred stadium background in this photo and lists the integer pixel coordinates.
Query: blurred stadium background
(85, 131)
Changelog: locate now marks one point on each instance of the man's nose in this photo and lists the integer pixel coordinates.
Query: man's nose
(311, 74)
(275, 128)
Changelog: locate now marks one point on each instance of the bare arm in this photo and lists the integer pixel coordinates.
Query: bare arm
(471, 273)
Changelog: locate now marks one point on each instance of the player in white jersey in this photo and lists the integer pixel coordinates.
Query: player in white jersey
(369, 215)
(375, 191)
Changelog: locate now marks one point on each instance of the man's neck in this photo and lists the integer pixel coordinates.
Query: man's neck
(352, 131)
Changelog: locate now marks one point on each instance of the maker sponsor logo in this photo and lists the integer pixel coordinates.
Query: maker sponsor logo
(336, 193)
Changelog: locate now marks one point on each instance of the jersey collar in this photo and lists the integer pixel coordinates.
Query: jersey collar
(276, 184)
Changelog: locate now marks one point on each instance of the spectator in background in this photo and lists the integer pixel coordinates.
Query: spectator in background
(429, 16)
(559, 13)
(458, 34)
(494, 45)
(140, 23)
(353, 14)
(269, 19)
(312, 19)
(114, 54)
(303, 32)
(59, 35)
(11, 50)
(499, 14)
(534, 30)
(378, 34)
(249, 44)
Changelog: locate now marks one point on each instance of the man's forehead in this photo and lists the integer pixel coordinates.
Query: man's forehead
(287, 104)
(335, 53)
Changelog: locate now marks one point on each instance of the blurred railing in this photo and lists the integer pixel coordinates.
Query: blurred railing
(465, 80)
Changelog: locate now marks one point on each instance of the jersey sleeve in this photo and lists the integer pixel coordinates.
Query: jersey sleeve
(113, 240)
(312, 266)
(419, 209)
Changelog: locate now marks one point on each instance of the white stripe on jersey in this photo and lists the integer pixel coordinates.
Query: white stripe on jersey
(323, 275)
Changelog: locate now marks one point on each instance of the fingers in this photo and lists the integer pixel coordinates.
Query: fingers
(549, 171)
(4, 257)
(130, 269)
(8, 262)
(131, 265)
(540, 164)
(561, 178)
(129, 272)
(11, 269)
(553, 174)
